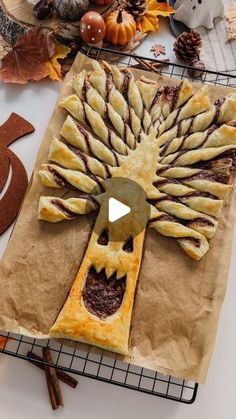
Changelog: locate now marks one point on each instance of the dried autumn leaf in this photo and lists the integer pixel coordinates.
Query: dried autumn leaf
(28, 58)
(54, 66)
(150, 22)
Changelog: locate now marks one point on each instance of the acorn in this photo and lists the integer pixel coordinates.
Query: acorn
(92, 28)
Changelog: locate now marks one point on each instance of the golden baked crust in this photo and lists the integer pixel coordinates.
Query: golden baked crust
(177, 145)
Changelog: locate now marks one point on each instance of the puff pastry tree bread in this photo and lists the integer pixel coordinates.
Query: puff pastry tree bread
(177, 145)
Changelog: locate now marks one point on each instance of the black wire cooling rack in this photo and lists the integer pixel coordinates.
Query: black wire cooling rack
(101, 367)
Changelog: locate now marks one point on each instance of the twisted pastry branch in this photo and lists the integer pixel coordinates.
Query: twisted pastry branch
(72, 158)
(76, 135)
(193, 242)
(87, 93)
(85, 114)
(54, 176)
(55, 209)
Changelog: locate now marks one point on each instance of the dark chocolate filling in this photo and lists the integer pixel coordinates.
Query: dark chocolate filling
(125, 84)
(195, 242)
(164, 217)
(61, 207)
(215, 177)
(164, 182)
(59, 179)
(109, 82)
(200, 221)
(172, 94)
(103, 296)
(156, 97)
(85, 135)
(218, 104)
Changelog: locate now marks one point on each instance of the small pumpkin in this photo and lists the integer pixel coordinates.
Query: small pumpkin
(121, 27)
(102, 2)
(71, 10)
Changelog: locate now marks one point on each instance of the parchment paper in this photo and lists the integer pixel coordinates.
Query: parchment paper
(178, 300)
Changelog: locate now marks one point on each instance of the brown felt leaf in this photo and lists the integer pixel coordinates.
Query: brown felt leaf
(28, 58)
(13, 197)
(4, 168)
(14, 128)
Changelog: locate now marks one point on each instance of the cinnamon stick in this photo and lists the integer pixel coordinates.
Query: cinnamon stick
(150, 65)
(52, 380)
(61, 375)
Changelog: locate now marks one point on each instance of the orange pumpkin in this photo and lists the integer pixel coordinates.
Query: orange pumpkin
(102, 2)
(121, 27)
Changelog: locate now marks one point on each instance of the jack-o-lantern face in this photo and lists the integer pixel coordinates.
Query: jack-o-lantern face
(14, 128)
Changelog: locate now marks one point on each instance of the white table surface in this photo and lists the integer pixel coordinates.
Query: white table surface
(23, 393)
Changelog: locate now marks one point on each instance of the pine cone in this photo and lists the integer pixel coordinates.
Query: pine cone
(188, 46)
(137, 8)
(198, 68)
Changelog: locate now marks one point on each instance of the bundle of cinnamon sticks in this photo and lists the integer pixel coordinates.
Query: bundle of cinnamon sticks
(53, 375)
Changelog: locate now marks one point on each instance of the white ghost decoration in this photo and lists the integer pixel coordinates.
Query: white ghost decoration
(196, 13)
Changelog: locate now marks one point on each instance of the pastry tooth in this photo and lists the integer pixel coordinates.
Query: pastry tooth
(55, 176)
(55, 209)
(121, 273)
(72, 158)
(193, 242)
(76, 135)
(109, 271)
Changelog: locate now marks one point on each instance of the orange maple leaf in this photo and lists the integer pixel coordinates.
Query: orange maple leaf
(150, 21)
(54, 66)
(28, 58)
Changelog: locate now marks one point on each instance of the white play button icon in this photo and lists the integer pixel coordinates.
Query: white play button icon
(117, 210)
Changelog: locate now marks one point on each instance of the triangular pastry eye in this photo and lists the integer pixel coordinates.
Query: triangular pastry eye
(171, 140)
(128, 245)
(103, 239)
